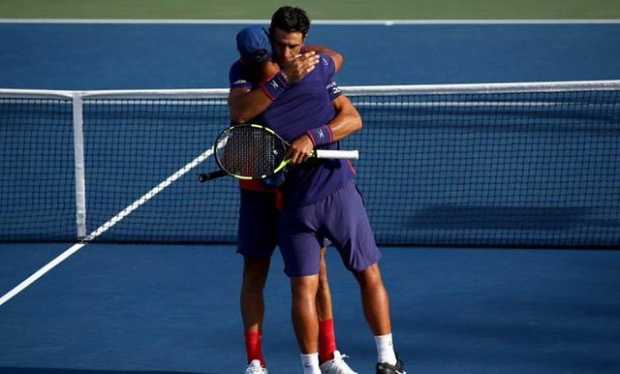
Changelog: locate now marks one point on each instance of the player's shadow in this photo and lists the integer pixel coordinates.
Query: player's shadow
(15, 370)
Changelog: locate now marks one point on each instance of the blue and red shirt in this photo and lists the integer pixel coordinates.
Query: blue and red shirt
(304, 105)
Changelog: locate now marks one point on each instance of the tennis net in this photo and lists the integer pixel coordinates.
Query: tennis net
(523, 165)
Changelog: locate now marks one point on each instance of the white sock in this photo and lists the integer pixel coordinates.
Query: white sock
(310, 362)
(385, 349)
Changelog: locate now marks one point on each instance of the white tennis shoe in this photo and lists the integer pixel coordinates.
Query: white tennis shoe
(336, 365)
(255, 368)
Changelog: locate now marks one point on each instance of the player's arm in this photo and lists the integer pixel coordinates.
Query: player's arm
(335, 56)
(346, 122)
(247, 103)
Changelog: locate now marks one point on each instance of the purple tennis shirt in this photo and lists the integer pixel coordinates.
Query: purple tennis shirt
(303, 106)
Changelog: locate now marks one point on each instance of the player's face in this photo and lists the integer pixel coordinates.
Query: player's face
(286, 45)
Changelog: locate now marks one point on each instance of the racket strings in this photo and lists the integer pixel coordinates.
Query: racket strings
(249, 152)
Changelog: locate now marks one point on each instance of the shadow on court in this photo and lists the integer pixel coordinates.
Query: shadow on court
(14, 370)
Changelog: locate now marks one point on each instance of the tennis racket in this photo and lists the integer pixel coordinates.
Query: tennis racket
(257, 152)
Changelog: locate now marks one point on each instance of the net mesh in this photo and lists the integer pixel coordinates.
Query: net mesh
(494, 169)
(132, 145)
(458, 166)
(37, 182)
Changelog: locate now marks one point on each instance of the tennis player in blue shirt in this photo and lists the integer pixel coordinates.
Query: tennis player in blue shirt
(320, 198)
(258, 210)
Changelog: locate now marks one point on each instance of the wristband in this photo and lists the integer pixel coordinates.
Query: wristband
(320, 135)
(275, 86)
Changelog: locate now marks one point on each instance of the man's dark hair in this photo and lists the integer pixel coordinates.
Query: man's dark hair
(290, 19)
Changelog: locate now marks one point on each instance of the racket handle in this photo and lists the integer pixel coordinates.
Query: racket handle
(337, 154)
(212, 175)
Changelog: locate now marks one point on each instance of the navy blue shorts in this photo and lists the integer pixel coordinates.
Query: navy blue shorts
(258, 217)
(341, 218)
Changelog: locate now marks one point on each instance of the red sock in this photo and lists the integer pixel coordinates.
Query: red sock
(253, 347)
(327, 340)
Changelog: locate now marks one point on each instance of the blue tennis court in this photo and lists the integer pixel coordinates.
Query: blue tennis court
(142, 56)
(162, 309)
(172, 308)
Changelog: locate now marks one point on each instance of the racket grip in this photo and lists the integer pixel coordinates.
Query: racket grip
(337, 154)
(212, 175)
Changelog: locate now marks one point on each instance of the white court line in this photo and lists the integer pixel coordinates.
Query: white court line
(106, 226)
(335, 22)
(41, 272)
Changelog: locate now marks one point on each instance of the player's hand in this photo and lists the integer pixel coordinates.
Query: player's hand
(300, 66)
(300, 150)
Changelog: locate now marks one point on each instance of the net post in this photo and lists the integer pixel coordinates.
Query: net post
(80, 178)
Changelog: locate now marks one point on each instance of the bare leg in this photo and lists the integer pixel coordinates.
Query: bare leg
(324, 297)
(252, 305)
(327, 335)
(375, 300)
(304, 313)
